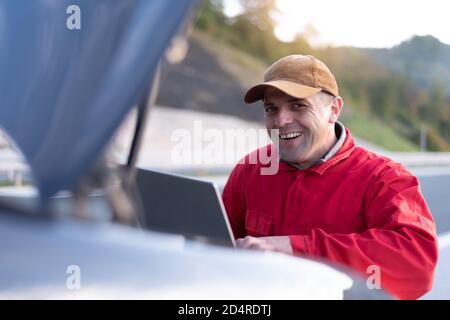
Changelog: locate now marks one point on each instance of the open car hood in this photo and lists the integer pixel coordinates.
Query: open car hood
(65, 91)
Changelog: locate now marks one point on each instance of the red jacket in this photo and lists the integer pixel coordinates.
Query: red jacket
(357, 208)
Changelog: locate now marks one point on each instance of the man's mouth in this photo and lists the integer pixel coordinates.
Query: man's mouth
(290, 135)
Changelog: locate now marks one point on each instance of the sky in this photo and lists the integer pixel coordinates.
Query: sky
(360, 23)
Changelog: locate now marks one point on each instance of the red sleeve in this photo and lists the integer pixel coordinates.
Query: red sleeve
(400, 240)
(234, 201)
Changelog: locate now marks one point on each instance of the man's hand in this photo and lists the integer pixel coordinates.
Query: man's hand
(278, 244)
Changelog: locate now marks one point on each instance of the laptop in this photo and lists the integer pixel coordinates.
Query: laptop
(181, 205)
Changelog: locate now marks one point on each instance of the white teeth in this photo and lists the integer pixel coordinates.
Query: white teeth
(290, 135)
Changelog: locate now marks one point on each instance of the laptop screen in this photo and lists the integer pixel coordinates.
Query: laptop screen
(182, 205)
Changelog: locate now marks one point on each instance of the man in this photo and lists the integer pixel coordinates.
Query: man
(329, 198)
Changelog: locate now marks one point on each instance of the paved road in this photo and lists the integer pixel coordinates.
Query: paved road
(436, 190)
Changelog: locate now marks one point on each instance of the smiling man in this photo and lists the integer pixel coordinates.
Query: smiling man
(329, 198)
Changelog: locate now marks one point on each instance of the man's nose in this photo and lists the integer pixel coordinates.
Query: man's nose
(284, 117)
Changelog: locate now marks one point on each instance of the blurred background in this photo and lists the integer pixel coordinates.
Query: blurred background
(394, 89)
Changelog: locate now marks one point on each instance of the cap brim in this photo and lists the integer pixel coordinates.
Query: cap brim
(291, 88)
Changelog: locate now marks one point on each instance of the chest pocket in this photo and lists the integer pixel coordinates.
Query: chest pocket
(258, 224)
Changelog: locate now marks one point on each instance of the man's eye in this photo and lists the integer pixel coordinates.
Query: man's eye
(298, 106)
(270, 109)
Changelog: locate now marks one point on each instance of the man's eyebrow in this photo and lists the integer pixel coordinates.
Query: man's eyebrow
(298, 100)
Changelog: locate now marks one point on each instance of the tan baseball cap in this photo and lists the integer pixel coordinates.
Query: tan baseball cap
(298, 76)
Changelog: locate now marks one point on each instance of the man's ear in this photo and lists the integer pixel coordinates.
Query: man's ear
(336, 108)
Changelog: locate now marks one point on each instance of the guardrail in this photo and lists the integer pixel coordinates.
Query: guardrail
(14, 169)
(420, 159)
